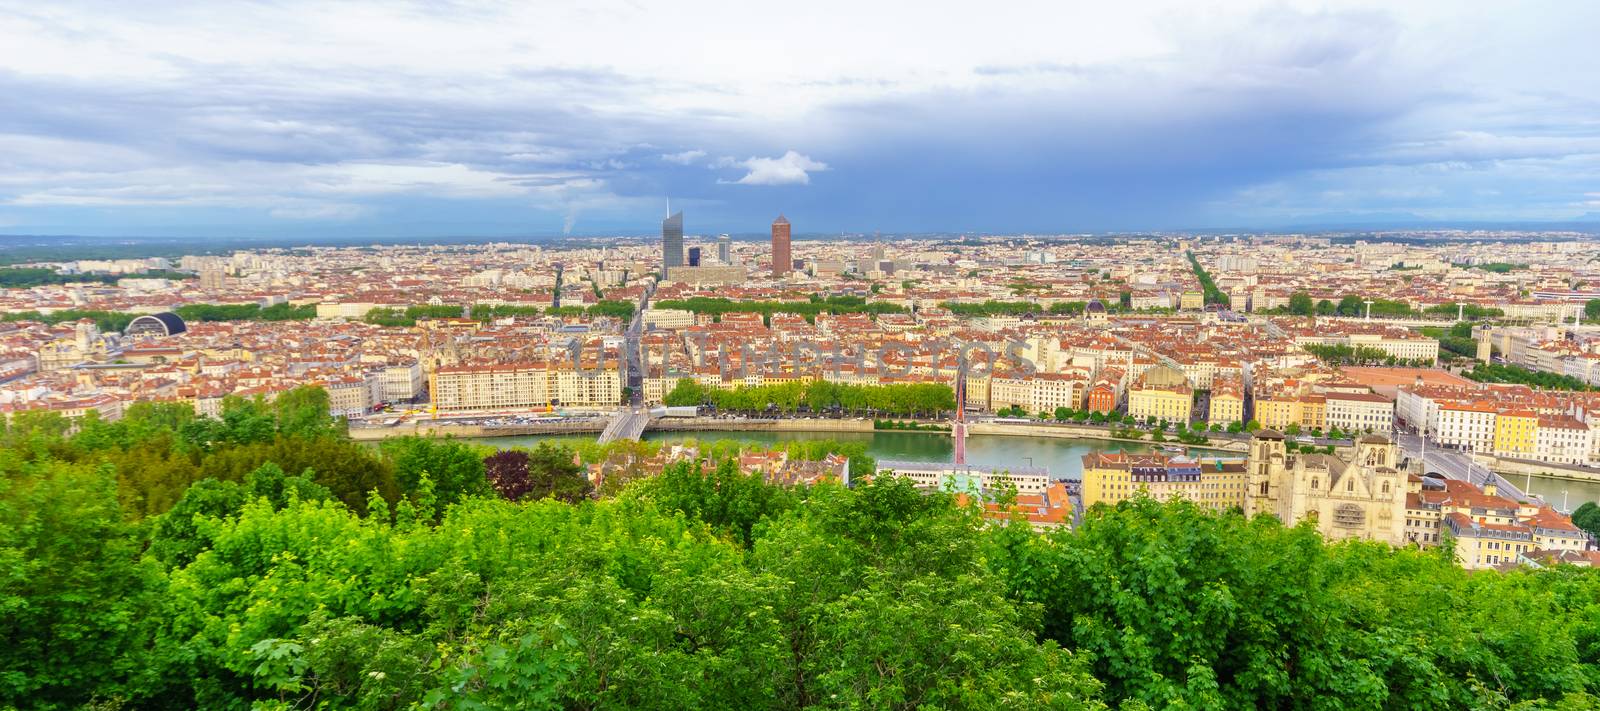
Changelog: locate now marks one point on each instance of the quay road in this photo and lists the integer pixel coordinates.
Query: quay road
(631, 420)
(1456, 465)
(633, 366)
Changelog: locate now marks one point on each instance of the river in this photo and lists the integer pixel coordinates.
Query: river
(1062, 457)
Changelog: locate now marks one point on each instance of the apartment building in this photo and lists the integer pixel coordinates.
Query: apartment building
(968, 477)
(1162, 393)
(1562, 440)
(1515, 433)
(512, 386)
(1112, 477)
(1358, 412)
(1464, 425)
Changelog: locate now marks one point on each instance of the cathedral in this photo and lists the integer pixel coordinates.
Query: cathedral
(1363, 496)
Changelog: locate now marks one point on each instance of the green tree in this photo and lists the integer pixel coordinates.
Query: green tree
(546, 471)
(1587, 517)
(1350, 305)
(303, 412)
(77, 603)
(724, 498)
(686, 392)
(456, 470)
(1300, 304)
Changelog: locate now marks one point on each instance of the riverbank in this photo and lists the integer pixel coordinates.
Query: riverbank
(595, 426)
(693, 424)
(437, 429)
(1062, 431)
(1523, 467)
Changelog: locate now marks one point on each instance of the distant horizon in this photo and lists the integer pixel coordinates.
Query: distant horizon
(1590, 226)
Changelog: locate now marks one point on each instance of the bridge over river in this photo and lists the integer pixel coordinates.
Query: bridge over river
(629, 423)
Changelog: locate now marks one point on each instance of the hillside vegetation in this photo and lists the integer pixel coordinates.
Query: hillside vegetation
(262, 560)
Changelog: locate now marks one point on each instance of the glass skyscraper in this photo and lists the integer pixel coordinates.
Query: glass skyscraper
(672, 241)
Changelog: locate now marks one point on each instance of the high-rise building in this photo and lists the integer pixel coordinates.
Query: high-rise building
(782, 261)
(694, 256)
(672, 241)
(724, 249)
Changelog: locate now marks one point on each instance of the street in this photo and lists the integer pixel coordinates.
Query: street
(1455, 465)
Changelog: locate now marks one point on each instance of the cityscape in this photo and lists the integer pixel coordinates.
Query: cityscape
(358, 410)
(1485, 347)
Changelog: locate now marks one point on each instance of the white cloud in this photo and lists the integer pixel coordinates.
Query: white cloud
(322, 211)
(564, 104)
(791, 168)
(684, 158)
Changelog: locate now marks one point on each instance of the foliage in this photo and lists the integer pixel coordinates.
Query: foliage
(725, 499)
(1472, 312)
(1587, 517)
(397, 318)
(909, 426)
(1591, 309)
(991, 308)
(455, 469)
(74, 592)
(1499, 267)
(245, 312)
(1213, 295)
(1340, 354)
(115, 321)
(1300, 304)
(106, 321)
(486, 312)
(1506, 373)
(1180, 607)
(263, 586)
(25, 277)
(831, 305)
(545, 472)
(898, 399)
(612, 308)
(1456, 340)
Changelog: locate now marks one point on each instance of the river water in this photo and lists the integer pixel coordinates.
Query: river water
(1062, 457)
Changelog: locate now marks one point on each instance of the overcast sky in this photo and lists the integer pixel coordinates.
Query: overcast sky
(530, 118)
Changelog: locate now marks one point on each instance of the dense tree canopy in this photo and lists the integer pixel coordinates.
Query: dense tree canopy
(260, 583)
(908, 399)
(24, 277)
(246, 312)
(1507, 373)
(1213, 295)
(717, 306)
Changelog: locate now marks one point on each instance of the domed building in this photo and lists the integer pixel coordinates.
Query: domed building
(1095, 311)
(165, 323)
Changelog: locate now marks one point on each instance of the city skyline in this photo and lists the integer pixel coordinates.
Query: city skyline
(549, 121)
